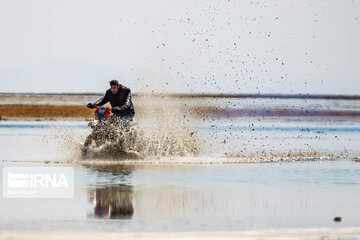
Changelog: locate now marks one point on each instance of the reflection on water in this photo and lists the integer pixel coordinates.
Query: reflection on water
(118, 171)
(112, 202)
(224, 197)
(216, 197)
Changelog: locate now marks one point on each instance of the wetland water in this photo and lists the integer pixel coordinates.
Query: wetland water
(250, 173)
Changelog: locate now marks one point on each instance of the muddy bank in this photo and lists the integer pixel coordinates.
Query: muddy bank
(44, 112)
(80, 112)
(73, 107)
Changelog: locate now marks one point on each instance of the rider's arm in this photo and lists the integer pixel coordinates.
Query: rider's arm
(102, 101)
(127, 103)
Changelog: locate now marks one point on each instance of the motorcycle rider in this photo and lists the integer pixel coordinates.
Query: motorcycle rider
(119, 97)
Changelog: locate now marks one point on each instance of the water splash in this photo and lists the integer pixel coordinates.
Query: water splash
(61, 143)
(158, 133)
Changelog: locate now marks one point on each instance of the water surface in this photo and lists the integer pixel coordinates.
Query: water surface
(251, 172)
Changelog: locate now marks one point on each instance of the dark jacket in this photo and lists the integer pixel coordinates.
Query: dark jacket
(121, 102)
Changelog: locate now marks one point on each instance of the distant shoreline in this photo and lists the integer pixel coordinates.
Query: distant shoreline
(206, 95)
(41, 112)
(70, 106)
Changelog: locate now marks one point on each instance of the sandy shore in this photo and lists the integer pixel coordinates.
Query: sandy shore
(311, 233)
(45, 112)
(73, 107)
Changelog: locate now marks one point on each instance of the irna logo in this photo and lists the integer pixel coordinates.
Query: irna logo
(38, 182)
(44, 180)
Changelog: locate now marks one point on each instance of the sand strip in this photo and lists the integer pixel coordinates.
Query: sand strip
(300, 233)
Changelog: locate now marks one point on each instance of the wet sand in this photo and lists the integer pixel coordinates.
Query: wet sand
(290, 234)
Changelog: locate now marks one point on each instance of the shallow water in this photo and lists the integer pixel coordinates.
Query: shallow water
(250, 173)
(246, 140)
(196, 198)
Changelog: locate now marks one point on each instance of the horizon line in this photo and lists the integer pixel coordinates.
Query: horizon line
(204, 95)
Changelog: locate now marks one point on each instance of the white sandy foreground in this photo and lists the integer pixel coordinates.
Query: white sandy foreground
(301, 233)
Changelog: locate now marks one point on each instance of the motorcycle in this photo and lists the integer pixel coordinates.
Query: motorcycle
(112, 136)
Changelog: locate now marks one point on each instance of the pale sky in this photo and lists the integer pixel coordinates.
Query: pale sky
(183, 46)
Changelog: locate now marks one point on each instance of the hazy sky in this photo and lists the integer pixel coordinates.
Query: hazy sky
(236, 46)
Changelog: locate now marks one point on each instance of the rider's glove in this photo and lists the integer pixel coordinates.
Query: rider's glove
(90, 105)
